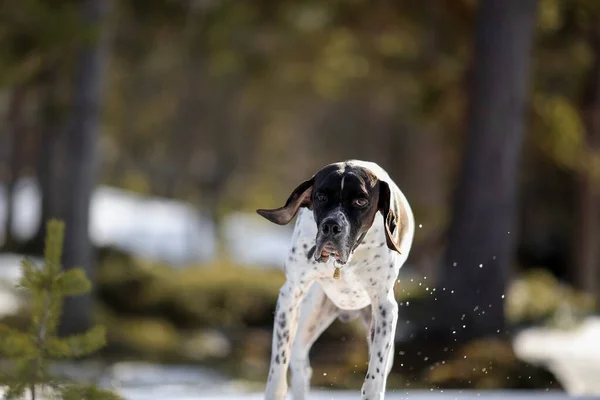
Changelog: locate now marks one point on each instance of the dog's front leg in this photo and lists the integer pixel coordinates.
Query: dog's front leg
(284, 331)
(383, 329)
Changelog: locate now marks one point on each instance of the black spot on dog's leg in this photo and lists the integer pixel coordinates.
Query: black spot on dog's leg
(282, 321)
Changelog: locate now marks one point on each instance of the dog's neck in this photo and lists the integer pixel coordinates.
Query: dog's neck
(359, 241)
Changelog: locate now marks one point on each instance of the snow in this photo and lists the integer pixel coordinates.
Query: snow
(157, 228)
(253, 240)
(403, 395)
(170, 392)
(572, 355)
(151, 227)
(146, 381)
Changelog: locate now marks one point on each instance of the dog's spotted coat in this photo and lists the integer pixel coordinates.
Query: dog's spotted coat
(310, 300)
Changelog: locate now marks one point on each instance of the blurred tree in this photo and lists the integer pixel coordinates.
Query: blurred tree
(36, 44)
(481, 235)
(51, 157)
(586, 251)
(14, 131)
(81, 143)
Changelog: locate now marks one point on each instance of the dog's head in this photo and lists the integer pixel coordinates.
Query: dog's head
(344, 198)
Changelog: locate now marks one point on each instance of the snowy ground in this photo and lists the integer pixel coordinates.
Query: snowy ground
(137, 381)
(169, 393)
(347, 395)
(144, 381)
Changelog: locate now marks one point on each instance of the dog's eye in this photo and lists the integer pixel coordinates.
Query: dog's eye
(321, 198)
(360, 202)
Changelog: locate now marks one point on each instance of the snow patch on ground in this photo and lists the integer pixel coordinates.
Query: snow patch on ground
(401, 395)
(573, 355)
(157, 228)
(167, 392)
(253, 240)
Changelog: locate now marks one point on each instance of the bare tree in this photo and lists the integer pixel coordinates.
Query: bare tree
(82, 149)
(481, 235)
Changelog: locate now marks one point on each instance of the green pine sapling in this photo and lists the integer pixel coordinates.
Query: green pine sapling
(30, 352)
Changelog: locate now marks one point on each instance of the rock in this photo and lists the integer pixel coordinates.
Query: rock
(205, 344)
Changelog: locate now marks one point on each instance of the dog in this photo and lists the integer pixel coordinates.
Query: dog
(354, 230)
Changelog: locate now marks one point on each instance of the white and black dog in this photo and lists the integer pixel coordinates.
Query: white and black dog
(343, 263)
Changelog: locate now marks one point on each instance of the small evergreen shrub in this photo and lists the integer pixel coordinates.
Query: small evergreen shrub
(30, 352)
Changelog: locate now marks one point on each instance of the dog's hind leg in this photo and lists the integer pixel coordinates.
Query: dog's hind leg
(366, 315)
(316, 314)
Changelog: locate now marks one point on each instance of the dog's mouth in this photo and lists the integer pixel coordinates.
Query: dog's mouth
(327, 250)
(323, 251)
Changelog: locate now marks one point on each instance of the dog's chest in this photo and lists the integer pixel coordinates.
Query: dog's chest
(371, 268)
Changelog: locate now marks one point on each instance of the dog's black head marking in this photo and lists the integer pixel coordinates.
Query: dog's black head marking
(344, 198)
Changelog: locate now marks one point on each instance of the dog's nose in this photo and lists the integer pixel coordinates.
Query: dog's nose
(331, 228)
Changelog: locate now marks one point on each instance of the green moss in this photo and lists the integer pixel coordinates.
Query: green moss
(537, 296)
(487, 364)
(216, 295)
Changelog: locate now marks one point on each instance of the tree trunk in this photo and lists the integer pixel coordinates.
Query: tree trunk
(190, 101)
(82, 149)
(482, 231)
(588, 210)
(15, 127)
(49, 155)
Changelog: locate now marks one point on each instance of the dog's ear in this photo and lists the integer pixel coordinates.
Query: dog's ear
(300, 197)
(389, 207)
